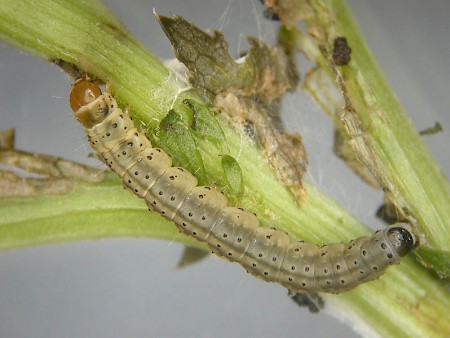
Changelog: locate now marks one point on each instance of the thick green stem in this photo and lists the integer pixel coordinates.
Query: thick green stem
(381, 133)
(406, 301)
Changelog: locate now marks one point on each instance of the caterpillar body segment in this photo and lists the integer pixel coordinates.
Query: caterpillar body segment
(230, 232)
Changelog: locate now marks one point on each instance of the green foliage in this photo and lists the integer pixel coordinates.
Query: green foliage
(233, 174)
(438, 260)
(204, 124)
(177, 140)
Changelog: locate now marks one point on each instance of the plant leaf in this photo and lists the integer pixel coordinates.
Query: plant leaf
(178, 141)
(233, 174)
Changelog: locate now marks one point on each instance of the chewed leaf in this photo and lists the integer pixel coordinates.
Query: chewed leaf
(233, 174)
(177, 139)
(204, 124)
(273, 71)
(205, 55)
(265, 72)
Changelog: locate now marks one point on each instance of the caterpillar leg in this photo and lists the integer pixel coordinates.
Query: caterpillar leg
(313, 301)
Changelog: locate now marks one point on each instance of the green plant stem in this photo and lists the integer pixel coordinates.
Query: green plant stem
(391, 147)
(406, 301)
(89, 211)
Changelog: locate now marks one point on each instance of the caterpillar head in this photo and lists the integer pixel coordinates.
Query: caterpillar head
(87, 102)
(402, 238)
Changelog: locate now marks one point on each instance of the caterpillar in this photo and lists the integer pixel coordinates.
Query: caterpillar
(230, 232)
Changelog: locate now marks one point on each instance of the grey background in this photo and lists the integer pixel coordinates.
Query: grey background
(129, 287)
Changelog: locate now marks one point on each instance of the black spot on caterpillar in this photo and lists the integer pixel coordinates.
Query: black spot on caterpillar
(230, 232)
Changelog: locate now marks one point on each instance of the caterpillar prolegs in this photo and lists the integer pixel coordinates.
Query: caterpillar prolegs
(230, 232)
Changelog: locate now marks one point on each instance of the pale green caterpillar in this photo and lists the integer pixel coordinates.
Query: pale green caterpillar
(230, 232)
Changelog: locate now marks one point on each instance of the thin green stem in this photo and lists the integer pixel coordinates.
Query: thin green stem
(89, 211)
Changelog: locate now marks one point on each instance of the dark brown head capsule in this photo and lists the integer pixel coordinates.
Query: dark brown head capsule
(401, 239)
